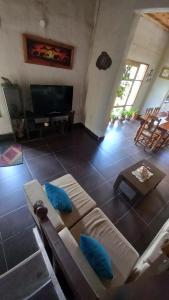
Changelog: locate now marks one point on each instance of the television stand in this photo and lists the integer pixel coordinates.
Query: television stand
(43, 125)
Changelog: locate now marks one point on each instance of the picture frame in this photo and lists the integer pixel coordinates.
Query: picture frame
(47, 52)
(164, 73)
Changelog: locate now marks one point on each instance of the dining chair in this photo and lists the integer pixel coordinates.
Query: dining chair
(156, 111)
(149, 111)
(148, 133)
(162, 142)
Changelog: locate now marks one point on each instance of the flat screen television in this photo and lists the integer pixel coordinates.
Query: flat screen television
(51, 99)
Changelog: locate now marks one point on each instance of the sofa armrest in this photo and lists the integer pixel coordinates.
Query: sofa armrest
(61, 256)
(81, 262)
(34, 192)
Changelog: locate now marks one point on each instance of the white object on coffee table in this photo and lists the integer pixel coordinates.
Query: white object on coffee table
(139, 174)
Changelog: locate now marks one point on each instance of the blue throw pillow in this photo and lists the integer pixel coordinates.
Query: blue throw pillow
(97, 256)
(58, 198)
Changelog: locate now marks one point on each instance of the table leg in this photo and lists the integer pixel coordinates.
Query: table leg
(117, 182)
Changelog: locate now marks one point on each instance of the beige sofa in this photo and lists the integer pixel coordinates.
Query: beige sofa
(85, 218)
(82, 203)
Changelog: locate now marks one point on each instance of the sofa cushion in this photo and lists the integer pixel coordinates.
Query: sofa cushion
(34, 192)
(77, 255)
(123, 255)
(58, 198)
(97, 256)
(82, 203)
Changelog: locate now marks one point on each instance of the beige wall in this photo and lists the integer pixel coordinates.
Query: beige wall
(115, 28)
(68, 21)
(147, 46)
(160, 87)
(5, 124)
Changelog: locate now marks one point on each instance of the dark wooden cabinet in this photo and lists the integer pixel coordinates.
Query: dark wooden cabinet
(25, 124)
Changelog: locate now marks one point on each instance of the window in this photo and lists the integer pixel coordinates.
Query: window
(129, 86)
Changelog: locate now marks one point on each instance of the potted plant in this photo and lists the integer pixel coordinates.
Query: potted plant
(113, 118)
(134, 114)
(120, 91)
(122, 116)
(128, 114)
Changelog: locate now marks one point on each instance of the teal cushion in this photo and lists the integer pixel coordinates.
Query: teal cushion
(58, 198)
(97, 256)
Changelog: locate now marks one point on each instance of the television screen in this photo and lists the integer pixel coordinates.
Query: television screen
(51, 99)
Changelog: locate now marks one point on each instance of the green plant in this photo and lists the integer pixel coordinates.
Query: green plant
(113, 117)
(129, 114)
(126, 75)
(123, 113)
(134, 113)
(120, 91)
(134, 110)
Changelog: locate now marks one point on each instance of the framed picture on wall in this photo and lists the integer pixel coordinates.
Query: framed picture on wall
(165, 73)
(46, 52)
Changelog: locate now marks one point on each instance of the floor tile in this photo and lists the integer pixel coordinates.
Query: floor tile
(15, 222)
(3, 267)
(32, 151)
(90, 182)
(143, 241)
(46, 292)
(114, 169)
(82, 169)
(103, 193)
(141, 154)
(150, 206)
(102, 158)
(14, 182)
(12, 201)
(163, 188)
(10, 172)
(34, 143)
(59, 143)
(115, 208)
(159, 220)
(131, 226)
(43, 167)
(23, 245)
(68, 157)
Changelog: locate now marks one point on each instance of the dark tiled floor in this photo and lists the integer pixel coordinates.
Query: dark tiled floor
(95, 165)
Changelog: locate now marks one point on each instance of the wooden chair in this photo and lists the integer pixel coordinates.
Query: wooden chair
(149, 111)
(148, 133)
(162, 142)
(156, 111)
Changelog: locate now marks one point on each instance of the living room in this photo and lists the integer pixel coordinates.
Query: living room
(101, 36)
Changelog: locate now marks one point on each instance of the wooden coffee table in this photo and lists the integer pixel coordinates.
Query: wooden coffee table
(142, 189)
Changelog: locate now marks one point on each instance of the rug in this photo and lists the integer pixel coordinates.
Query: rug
(10, 154)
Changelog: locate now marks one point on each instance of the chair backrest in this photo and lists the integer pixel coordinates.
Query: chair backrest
(149, 111)
(151, 124)
(156, 111)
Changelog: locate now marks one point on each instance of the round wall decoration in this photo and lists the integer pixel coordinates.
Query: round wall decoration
(104, 61)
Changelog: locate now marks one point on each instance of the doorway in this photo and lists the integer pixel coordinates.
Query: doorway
(129, 87)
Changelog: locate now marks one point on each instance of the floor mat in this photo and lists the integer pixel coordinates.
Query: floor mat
(10, 154)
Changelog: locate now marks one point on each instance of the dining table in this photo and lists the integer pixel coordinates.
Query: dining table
(163, 125)
(163, 128)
